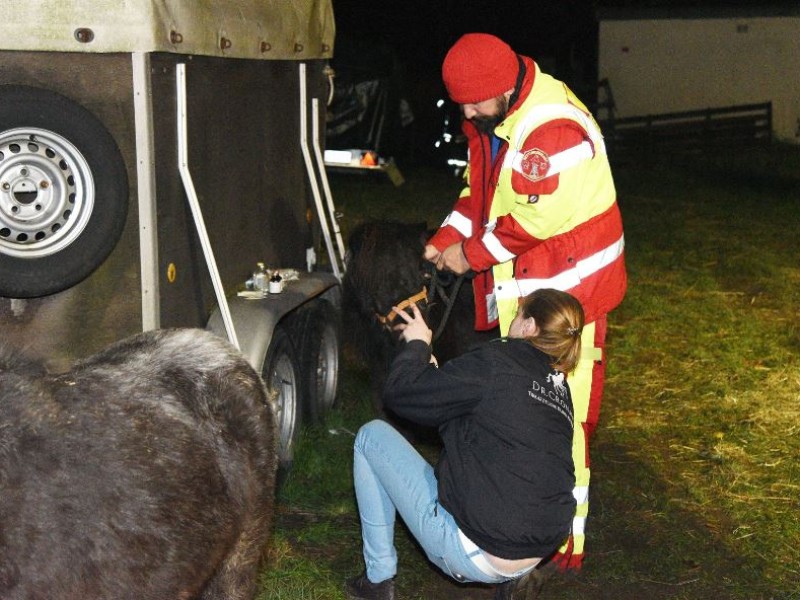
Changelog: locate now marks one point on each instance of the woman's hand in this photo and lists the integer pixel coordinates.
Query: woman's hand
(414, 327)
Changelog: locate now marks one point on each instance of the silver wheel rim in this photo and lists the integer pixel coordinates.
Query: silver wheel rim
(47, 193)
(327, 370)
(282, 381)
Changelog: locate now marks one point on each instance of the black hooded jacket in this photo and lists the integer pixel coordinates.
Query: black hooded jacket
(505, 418)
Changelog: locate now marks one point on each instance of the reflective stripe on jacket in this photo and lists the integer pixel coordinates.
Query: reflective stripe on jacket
(569, 237)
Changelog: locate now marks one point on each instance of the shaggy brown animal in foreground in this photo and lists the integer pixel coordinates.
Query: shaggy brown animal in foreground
(147, 471)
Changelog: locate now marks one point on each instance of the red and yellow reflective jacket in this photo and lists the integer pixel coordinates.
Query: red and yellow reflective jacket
(544, 212)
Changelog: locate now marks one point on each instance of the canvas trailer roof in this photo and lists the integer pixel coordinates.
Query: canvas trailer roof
(254, 29)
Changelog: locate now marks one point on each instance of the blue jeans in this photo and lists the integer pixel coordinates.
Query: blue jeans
(390, 477)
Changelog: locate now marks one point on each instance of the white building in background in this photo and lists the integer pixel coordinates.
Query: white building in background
(676, 59)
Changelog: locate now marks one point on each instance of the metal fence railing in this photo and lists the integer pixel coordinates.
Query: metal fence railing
(688, 131)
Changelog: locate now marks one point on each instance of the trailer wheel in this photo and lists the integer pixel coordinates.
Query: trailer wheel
(321, 344)
(281, 374)
(63, 192)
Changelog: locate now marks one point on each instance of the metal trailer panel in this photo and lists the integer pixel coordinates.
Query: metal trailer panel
(248, 171)
(107, 305)
(243, 148)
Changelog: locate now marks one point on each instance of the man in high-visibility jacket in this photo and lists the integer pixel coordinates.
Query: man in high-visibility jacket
(539, 211)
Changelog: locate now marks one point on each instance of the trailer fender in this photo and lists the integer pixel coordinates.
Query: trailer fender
(255, 319)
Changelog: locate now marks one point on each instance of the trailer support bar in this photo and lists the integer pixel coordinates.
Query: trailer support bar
(145, 176)
(323, 221)
(324, 178)
(194, 204)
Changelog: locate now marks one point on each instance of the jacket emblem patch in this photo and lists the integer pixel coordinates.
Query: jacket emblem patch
(557, 379)
(535, 164)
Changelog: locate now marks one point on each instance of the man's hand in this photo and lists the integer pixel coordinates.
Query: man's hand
(453, 259)
(414, 327)
(431, 253)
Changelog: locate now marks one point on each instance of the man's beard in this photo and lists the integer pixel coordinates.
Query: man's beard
(487, 123)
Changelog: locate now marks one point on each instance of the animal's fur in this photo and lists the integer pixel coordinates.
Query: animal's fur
(384, 267)
(145, 472)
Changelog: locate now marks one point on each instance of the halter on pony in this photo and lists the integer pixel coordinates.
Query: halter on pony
(437, 289)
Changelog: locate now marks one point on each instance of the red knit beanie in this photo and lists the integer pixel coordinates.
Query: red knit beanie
(478, 67)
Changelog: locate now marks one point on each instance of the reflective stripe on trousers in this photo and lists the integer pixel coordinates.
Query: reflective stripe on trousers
(580, 385)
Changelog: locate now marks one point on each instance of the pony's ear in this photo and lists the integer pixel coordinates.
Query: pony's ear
(356, 239)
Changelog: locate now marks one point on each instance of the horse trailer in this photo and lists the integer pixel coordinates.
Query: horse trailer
(152, 152)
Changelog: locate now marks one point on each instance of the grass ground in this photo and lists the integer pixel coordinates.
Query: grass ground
(696, 462)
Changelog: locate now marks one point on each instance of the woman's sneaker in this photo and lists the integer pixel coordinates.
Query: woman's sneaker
(361, 588)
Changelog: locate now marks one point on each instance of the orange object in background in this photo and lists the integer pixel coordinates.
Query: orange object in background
(368, 159)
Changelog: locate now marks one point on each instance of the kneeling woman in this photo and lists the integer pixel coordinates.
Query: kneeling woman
(500, 498)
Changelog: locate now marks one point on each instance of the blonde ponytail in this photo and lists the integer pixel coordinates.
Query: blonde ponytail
(559, 324)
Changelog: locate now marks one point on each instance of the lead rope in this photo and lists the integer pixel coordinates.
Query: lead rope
(438, 289)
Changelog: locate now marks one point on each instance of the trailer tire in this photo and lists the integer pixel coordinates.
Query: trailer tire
(63, 192)
(281, 374)
(321, 344)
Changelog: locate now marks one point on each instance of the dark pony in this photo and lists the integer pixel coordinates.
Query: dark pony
(146, 471)
(384, 267)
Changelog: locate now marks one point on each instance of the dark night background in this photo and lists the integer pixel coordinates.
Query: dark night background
(405, 42)
(421, 31)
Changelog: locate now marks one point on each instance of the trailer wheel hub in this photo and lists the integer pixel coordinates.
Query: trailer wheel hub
(46, 192)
